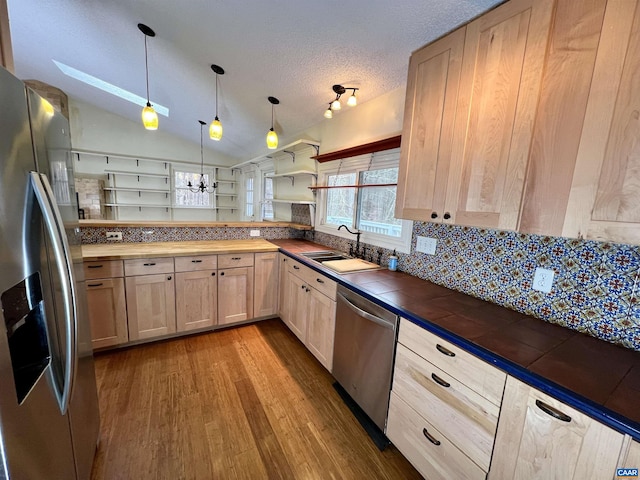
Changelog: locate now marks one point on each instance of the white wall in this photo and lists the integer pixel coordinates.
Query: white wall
(95, 129)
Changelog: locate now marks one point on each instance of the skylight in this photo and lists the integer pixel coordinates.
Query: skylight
(109, 88)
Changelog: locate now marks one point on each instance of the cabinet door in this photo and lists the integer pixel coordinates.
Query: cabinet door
(284, 297)
(603, 203)
(321, 327)
(196, 300)
(266, 284)
(151, 306)
(430, 105)
(502, 68)
(540, 438)
(107, 312)
(298, 302)
(631, 454)
(235, 295)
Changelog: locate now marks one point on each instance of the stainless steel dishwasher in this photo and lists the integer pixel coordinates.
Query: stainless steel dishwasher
(364, 349)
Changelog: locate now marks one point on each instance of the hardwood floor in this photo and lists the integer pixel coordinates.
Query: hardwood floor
(248, 403)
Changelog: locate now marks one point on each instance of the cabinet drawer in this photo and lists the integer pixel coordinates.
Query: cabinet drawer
(476, 374)
(296, 267)
(410, 433)
(235, 260)
(104, 269)
(147, 266)
(200, 262)
(466, 418)
(323, 284)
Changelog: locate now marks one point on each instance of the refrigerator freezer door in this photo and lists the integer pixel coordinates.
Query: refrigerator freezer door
(51, 139)
(35, 437)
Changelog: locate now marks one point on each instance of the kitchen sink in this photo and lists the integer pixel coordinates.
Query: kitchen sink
(326, 255)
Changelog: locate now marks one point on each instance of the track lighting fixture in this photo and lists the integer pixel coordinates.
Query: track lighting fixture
(149, 115)
(339, 90)
(215, 129)
(272, 136)
(202, 187)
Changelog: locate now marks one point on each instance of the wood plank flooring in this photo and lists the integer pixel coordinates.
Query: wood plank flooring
(241, 403)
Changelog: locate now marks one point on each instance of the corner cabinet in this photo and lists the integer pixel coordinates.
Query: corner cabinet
(469, 116)
(540, 438)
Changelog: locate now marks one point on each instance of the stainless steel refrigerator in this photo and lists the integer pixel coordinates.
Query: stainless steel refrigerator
(49, 421)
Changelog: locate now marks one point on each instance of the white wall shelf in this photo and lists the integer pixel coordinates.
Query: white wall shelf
(295, 202)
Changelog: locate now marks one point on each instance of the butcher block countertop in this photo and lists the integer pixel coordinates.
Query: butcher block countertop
(117, 251)
(594, 376)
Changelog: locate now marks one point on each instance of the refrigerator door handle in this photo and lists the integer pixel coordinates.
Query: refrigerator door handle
(55, 227)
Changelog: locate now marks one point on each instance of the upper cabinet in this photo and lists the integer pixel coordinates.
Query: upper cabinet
(469, 116)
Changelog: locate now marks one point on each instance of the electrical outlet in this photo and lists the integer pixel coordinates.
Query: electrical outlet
(254, 233)
(426, 245)
(114, 236)
(543, 280)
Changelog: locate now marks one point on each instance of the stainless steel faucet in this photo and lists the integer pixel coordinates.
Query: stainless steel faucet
(357, 234)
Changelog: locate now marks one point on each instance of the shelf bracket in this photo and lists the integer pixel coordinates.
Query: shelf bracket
(293, 155)
(315, 147)
(292, 178)
(78, 157)
(107, 157)
(137, 162)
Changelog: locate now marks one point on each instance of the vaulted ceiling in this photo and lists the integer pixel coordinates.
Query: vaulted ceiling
(293, 50)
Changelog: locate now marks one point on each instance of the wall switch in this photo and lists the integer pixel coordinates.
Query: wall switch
(114, 236)
(543, 280)
(254, 233)
(426, 245)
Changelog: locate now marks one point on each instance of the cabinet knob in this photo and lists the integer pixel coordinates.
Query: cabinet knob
(447, 216)
(319, 280)
(302, 286)
(434, 215)
(307, 290)
(221, 273)
(213, 274)
(169, 277)
(295, 267)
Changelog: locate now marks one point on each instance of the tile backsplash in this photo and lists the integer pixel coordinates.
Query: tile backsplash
(595, 287)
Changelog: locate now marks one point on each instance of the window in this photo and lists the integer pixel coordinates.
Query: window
(249, 195)
(267, 206)
(368, 209)
(184, 197)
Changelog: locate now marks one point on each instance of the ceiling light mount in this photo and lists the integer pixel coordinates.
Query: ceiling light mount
(272, 136)
(340, 90)
(149, 115)
(202, 186)
(215, 129)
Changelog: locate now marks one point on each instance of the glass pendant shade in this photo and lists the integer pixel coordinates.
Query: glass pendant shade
(272, 139)
(335, 105)
(215, 130)
(149, 118)
(352, 101)
(328, 113)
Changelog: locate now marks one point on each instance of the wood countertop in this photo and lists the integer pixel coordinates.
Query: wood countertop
(174, 223)
(594, 376)
(118, 251)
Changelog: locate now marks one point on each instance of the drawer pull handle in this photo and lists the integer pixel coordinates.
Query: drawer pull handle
(196, 261)
(236, 258)
(95, 266)
(94, 284)
(555, 413)
(445, 351)
(440, 381)
(430, 437)
(149, 264)
(319, 280)
(295, 267)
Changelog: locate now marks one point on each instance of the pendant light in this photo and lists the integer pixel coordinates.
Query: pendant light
(352, 101)
(149, 115)
(339, 90)
(272, 136)
(328, 113)
(202, 187)
(215, 129)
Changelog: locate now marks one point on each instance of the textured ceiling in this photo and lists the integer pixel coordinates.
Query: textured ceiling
(294, 50)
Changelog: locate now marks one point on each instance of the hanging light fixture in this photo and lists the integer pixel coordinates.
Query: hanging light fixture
(339, 90)
(215, 129)
(149, 115)
(202, 187)
(272, 136)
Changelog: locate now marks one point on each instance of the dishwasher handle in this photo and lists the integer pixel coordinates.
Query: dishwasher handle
(369, 316)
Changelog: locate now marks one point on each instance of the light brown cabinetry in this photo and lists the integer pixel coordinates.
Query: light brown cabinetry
(235, 288)
(312, 310)
(540, 438)
(266, 281)
(630, 457)
(444, 406)
(151, 307)
(474, 169)
(106, 301)
(283, 292)
(196, 292)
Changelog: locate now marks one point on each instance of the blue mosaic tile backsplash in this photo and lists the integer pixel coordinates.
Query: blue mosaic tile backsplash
(595, 286)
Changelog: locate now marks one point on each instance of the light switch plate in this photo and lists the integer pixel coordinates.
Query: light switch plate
(254, 233)
(426, 245)
(543, 280)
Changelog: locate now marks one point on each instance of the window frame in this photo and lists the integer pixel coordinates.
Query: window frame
(185, 169)
(380, 160)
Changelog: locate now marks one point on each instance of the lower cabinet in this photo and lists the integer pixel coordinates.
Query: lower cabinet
(540, 437)
(235, 291)
(107, 312)
(321, 326)
(266, 280)
(283, 293)
(196, 300)
(151, 305)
